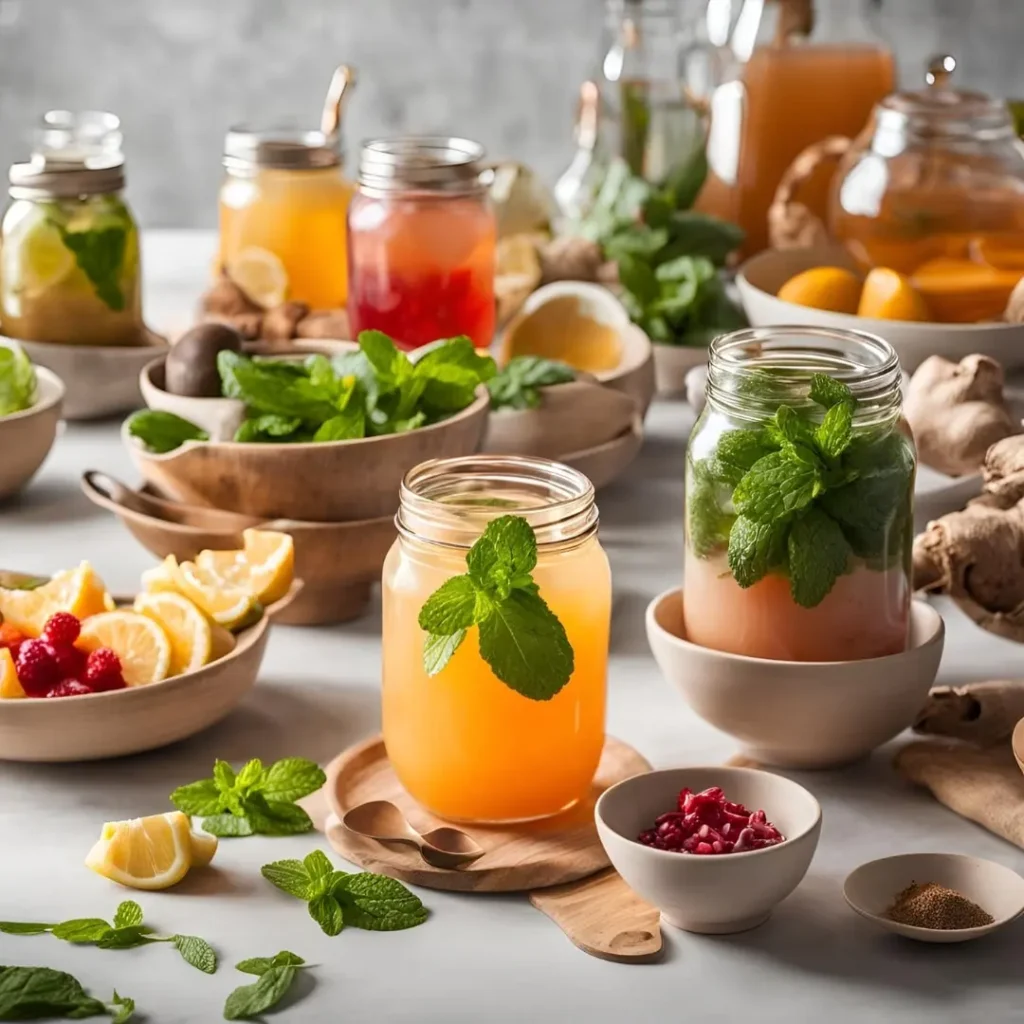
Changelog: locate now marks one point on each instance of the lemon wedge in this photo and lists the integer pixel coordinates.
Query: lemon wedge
(187, 628)
(228, 604)
(261, 276)
(148, 853)
(204, 846)
(43, 260)
(78, 591)
(141, 644)
(10, 686)
(160, 577)
(265, 568)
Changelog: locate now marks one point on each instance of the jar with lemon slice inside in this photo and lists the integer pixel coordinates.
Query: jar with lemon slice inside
(69, 246)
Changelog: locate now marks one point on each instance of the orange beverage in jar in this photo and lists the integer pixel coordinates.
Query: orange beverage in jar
(464, 743)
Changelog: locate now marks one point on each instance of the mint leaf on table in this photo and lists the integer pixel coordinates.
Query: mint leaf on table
(519, 637)
(24, 928)
(122, 1008)
(819, 554)
(197, 952)
(517, 385)
(249, 1001)
(327, 913)
(775, 486)
(81, 930)
(261, 964)
(258, 800)
(128, 913)
(17, 380)
(34, 993)
(162, 431)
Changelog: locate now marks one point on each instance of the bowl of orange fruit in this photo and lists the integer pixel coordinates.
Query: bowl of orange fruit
(948, 306)
(84, 675)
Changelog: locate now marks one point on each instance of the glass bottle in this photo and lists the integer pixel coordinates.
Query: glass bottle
(422, 239)
(805, 556)
(792, 80)
(463, 743)
(69, 246)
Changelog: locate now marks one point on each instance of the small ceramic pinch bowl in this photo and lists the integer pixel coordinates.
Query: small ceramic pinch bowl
(799, 714)
(26, 437)
(714, 894)
(672, 363)
(871, 889)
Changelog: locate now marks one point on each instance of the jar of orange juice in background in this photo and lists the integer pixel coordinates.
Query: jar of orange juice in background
(422, 239)
(799, 498)
(463, 742)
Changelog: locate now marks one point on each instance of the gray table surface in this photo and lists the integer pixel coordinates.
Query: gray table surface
(478, 958)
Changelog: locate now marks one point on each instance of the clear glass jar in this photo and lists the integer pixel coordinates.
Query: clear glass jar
(464, 744)
(422, 239)
(798, 535)
(69, 246)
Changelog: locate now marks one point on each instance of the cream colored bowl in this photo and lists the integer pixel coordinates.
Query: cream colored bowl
(27, 437)
(761, 277)
(799, 714)
(672, 364)
(712, 894)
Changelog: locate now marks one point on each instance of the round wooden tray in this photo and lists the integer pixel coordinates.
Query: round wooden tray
(518, 858)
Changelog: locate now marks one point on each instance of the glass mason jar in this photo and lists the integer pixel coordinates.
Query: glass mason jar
(69, 246)
(284, 201)
(799, 520)
(422, 239)
(463, 743)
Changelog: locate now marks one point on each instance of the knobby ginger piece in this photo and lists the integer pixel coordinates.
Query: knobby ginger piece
(1004, 472)
(329, 324)
(957, 412)
(224, 299)
(984, 714)
(280, 322)
(570, 258)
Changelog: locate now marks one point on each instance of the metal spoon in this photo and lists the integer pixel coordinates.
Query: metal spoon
(383, 821)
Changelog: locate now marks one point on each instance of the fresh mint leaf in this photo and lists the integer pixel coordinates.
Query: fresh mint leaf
(637, 277)
(125, 938)
(736, 453)
(775, 486)
(128, 913)
(250, 778)
(453, 370)
(224, 777)
(162, 431)
(346, 426)
(249, 1001)
(275, 388)
(870, 511)
(32, 993)
(81, 930)
(275, 817)
(438, 649)
(327, 913)
(319, 869)
(289, 876)
(99, 253)
(262, 964)
(756, 548)
(504, 557)
(834, 434)
(292, 778)
(24, 928)
(518, 384)
(198, 799)
(818, 555)
(391, 366)
(450, 608)
(700, 234)
(268, 429)
(378, 903)
(197, 952)
(706, 523)
(122, 1008)
(17, 380)
(827, 391)
(228, 826)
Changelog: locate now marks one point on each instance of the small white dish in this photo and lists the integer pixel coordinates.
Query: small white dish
(871, 889)
(715, 894)
(26, 437)
(799, 714)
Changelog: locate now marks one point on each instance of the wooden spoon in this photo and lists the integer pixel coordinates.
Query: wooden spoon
(383, 821)
(1017, 742)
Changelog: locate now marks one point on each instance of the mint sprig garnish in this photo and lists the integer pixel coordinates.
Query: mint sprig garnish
(519, 636)
(256, 801)
(126, 932)
(803, 496)
(32, 993)
(276, 975)
(336, 898)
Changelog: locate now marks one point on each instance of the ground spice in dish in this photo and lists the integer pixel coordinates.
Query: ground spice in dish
(930, 905)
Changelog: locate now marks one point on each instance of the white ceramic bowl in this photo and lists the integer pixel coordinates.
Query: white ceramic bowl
(761, 277)
(710, 894)
(27, 437)
(871, 889)
(799, 714)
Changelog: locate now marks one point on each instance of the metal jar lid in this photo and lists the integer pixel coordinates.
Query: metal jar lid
(43, 177)
(286, 149)
(422, 164)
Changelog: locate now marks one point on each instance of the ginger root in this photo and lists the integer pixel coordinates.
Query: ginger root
(570, 258)
(280, 323)
(330, 324)
(224, 299)
(957, 412)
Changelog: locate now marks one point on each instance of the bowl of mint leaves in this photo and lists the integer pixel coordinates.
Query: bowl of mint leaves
(30, 409)
(319, 437)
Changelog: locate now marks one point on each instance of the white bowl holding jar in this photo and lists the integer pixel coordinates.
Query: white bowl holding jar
(711, 894)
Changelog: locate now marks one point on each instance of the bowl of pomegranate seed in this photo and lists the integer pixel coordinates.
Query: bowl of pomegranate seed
(715, 849)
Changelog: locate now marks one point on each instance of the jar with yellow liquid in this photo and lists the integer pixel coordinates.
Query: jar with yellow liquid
(283, 210)
(464, 742)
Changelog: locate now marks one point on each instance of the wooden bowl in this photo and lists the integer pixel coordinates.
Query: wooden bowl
(672, 363)
(604, 462)
(27, 437)
(636, 372)
(338, 563)
(100, 380)
(129, 721)
(761, 277)
(334, 481)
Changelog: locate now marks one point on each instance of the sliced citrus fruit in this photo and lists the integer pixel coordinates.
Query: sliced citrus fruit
(960, 291)
(160, 577)
(265, 568)
(78, 591)
(204, 846)
(144, 853)
(41, 261)
(260, 275)
(889, 295)
(830, 288)
(186, 627)
(10, 687)
(228, 604)
(141, 644)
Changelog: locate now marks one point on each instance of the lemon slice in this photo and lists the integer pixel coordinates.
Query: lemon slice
(204, 846)
(265, 568)
(260, 275)
(228, 604)
(10, 686)
(144, 853)
(187, 628)
(140, 643)
(161, 577)
(78, 591)
(42, 259)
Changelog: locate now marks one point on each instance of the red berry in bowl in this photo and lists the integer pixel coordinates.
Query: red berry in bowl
(103, 670)
(69, 688)
(70, 661)
(37, 667)
(61, 629)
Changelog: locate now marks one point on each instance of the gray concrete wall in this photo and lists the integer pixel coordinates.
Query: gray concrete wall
(503, 71)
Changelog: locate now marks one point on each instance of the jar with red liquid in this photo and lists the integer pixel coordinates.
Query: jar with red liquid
(421, 238)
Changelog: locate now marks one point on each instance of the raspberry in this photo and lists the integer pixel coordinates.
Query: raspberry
(103, 671)
(70, 661)
(62, 629)
(36, 667)
(69, 688)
